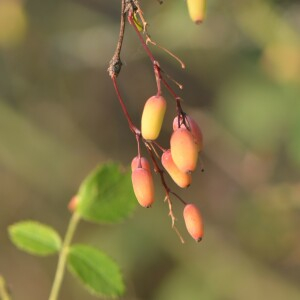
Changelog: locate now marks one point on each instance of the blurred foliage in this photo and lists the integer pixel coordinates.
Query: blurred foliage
(59, 118)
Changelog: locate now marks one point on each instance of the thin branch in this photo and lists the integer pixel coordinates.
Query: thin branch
(132, 127)
(115, 64)
(167, 190)
(146, 48)
(129, 9)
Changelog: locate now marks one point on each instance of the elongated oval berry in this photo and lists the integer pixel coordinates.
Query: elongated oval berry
(197, 10)
(144, 163)
(152, 117)
(182, 179)
(194, 127)
(184, 150)
(143, 186)
(193, 221)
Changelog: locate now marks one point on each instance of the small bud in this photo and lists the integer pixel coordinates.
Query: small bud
(73, 203)
(193, 221)
(137, 23)
(152, 117)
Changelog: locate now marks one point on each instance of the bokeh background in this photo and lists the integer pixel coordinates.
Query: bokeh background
(59, 118)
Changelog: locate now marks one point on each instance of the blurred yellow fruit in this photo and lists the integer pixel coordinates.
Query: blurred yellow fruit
(13, 23)
(282, 61)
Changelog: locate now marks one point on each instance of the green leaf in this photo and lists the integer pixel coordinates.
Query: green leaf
(106, 195)
(97, 272)
(35, 238)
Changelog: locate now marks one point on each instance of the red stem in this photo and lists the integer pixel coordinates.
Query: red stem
(179, 198)
(132, 127)
(156, 67)
(131, 22)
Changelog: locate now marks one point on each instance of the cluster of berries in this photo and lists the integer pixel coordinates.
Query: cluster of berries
(179, 161)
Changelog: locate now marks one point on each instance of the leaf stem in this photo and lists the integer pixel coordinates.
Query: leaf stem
(60, 270)
(4, 294)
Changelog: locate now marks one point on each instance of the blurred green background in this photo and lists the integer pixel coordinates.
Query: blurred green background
(59, 118)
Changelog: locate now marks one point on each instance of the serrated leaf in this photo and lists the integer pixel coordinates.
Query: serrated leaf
(106, 195)
(96, 271)
(35, 238)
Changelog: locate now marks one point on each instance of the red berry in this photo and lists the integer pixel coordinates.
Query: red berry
(184, 151)
(194, 128)
(144, 163)
(143, 186)
(182, 179)
(193, 221)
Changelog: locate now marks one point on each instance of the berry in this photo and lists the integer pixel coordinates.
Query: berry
(194, 128)
(143, 186)
(184, 150)
(196, 10)
(193, 221)
(152, 117)
(180, 178)
(144, 163)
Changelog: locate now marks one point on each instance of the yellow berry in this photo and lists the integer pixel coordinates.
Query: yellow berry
(152, 117)
(197, 10)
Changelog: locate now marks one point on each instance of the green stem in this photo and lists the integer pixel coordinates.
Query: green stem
(59, 275)
(4, 295)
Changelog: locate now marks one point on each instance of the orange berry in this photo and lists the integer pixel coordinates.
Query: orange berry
(184, 150)
(197, 10)
(144, 163)
(193, 221)
(143, 186)
(180, 178)
(194, 128)
(152, 117)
